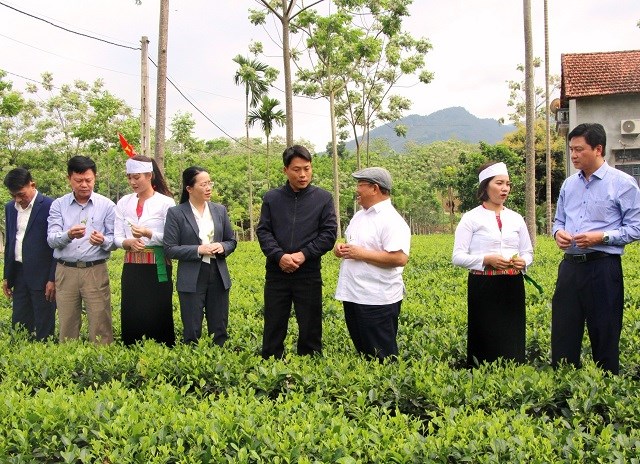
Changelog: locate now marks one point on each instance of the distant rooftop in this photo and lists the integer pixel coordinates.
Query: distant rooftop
(604, 73)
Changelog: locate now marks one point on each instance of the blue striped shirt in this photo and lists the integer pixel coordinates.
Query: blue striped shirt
(98, 214)
(609, 202)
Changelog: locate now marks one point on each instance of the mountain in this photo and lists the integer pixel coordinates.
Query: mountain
(451, 123)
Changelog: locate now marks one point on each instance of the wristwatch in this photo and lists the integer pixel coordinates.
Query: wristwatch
(605, 238)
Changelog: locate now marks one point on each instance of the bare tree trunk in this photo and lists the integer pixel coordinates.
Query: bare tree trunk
(249, 168)
(267, 163)
(334, 156)
(530, 155)
(161, 98)
(546, 118)
(286, 55)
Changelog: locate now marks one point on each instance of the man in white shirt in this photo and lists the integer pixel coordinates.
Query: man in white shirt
(370, 283)
(29, 268)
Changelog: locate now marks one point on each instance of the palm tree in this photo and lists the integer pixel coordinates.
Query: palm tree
(256, 77)
(267, 116)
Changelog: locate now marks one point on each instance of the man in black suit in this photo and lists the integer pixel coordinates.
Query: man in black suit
(297, 226)
(29, 268)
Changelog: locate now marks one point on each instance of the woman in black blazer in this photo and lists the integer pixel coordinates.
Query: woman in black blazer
(198, 234)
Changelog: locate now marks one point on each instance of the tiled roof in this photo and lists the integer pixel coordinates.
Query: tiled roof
(607, 73)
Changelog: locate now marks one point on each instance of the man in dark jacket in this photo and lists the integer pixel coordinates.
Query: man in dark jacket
(297, 226)
(29, 268)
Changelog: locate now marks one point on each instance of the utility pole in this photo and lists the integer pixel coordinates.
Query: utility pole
(145, 130)
(161, 99)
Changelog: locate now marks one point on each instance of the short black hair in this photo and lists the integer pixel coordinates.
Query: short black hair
(79, 164)
(593, 133)
(17, 178)
(295, 151)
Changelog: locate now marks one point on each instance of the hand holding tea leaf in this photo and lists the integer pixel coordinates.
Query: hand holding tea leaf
(140, 231)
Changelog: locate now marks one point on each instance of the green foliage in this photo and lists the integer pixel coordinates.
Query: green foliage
(360, 54)
(516, 142)
(77, 402)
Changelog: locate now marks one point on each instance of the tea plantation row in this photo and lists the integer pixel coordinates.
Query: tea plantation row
(82, 403)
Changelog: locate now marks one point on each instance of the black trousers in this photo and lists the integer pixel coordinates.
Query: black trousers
(305, 294)
(31, 310)
(373, 328)
(591, 292)
(496, 318)
(210, 300)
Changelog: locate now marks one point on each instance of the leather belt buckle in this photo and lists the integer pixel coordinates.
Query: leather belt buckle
(579, 258)
(81, 264)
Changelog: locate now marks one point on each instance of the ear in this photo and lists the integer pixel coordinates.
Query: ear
(598, 149)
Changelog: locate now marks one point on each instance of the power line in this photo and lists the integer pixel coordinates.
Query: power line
(203, 114)
(188, 100)
(66, 29)
(67, 58)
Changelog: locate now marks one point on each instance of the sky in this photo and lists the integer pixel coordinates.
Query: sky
(477, 46)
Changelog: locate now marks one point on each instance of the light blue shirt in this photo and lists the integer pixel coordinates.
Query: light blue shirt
(608, 202)
(65, 212)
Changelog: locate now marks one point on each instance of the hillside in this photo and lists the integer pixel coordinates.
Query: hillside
(450, 123)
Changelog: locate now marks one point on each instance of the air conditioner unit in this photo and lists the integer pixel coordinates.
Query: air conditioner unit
(630, 126)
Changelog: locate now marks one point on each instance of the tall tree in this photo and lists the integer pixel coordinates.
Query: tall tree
(386, 55)
(530, 194)
(285, 11)
(333, 52)
(547, 118)
(255, 77)
(267, 116)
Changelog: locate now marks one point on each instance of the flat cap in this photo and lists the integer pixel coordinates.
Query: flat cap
(374, 175)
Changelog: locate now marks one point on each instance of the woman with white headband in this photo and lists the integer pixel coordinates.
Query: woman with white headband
(147, 287)
(493, 243)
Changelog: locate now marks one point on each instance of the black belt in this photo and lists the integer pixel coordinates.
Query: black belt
(584, 257)
(81, 264)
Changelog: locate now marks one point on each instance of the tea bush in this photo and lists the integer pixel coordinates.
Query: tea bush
(77, 402)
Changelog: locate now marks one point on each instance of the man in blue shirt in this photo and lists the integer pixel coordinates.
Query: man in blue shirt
(80, 231)
(598, 213)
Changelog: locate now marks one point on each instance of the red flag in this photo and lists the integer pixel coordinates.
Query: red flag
(126, 146)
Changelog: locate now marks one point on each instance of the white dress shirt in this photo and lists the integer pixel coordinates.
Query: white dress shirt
(379, 228)
(205, 227)
(22, 222)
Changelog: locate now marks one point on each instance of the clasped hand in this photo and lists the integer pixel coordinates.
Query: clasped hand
(347, 251)
(290, 262)
(582, 240)
(497, 261)
(210, 249)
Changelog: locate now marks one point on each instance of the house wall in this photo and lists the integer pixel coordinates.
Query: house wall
(608, 110)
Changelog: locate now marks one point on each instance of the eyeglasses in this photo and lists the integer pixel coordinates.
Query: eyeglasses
(205, 184)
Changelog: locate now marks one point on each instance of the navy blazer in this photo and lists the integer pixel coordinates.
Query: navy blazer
(181, 242)
(37, 256)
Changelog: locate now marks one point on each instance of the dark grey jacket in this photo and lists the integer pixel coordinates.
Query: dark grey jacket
(181, 242)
